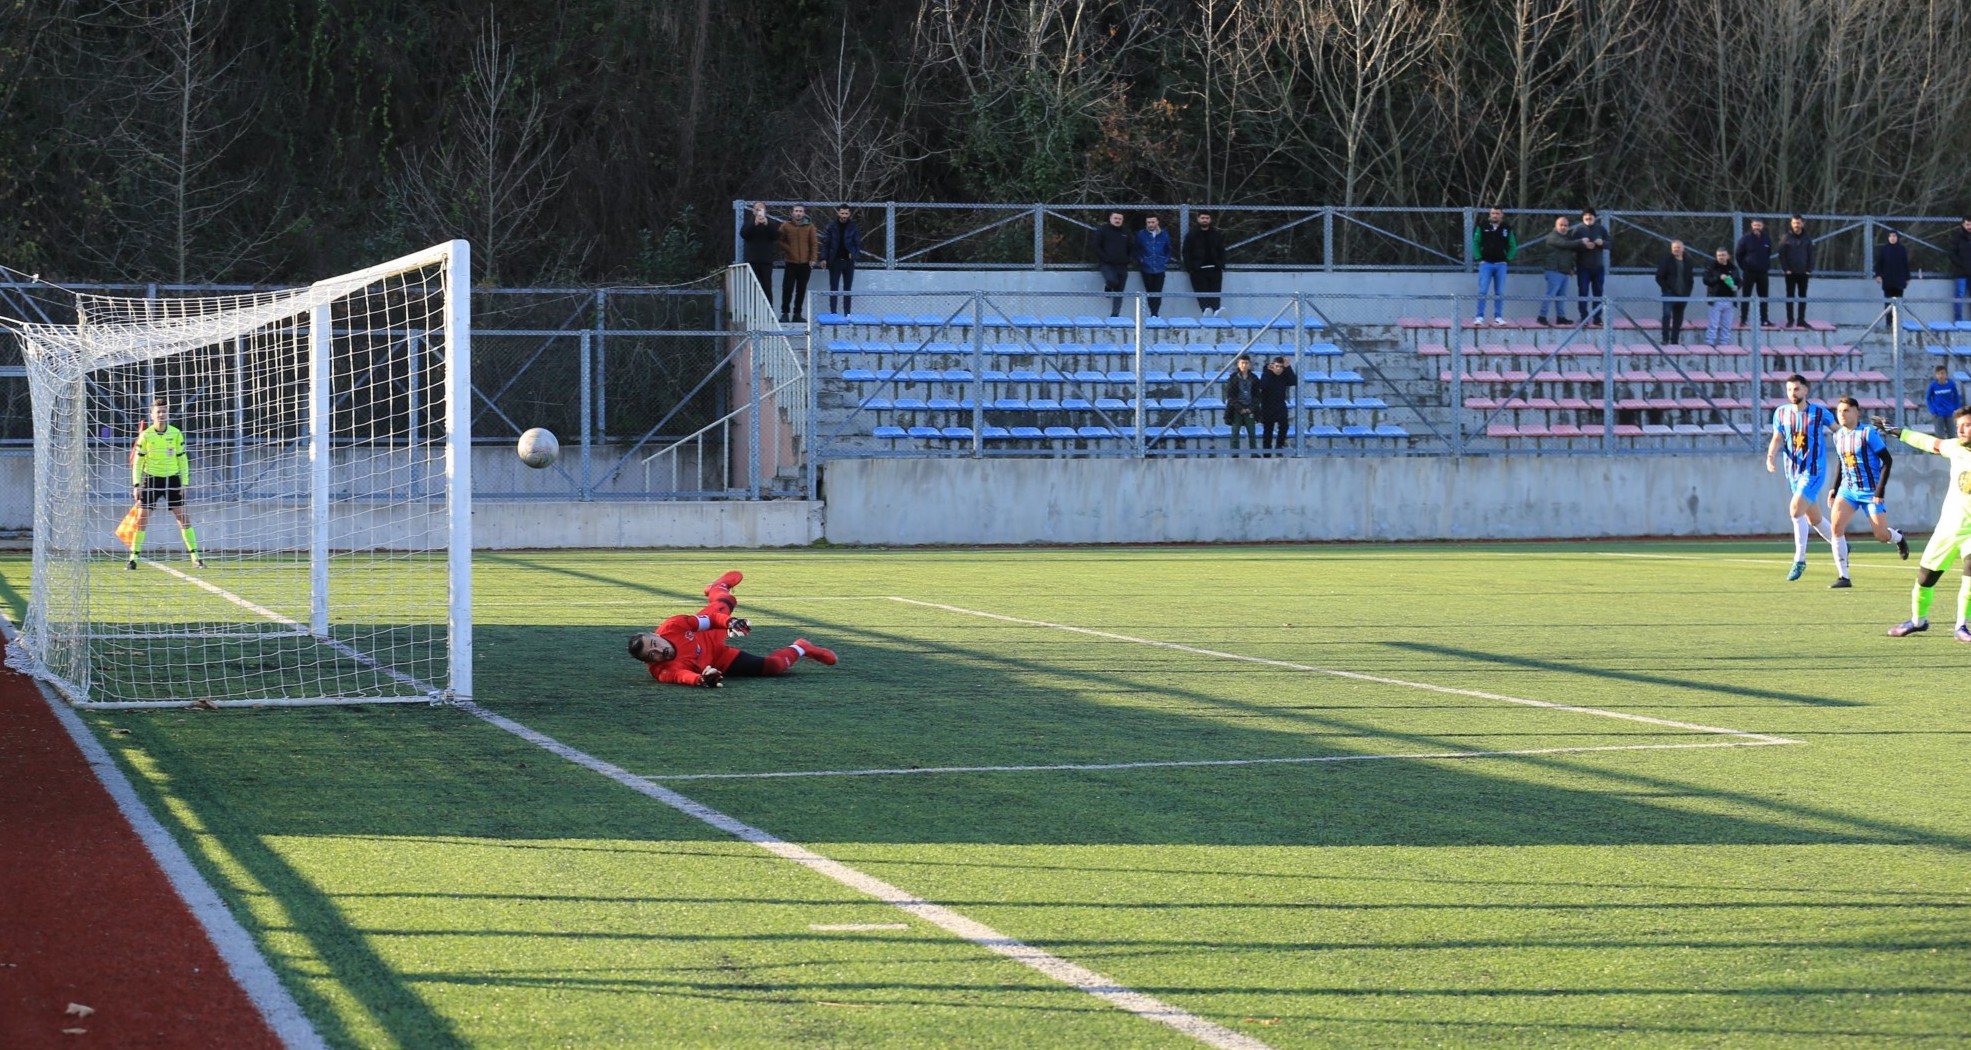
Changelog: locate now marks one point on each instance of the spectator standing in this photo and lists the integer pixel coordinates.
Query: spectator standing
(1960, 271)
(1493, 245)
(759, 237)
(1242, 402)
(1755, 262)
(800, 248)
(1676, 273)
(1591, 278)
(1721, 284)
(1943, 401)
(1109, 245)
(1796, 262)
(1153, 252)
(841, 245)
(1275, 385)
(1204, 260)
(1892, 266)
(1563, 255)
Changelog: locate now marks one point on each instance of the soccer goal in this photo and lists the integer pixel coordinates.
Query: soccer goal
(319, 549)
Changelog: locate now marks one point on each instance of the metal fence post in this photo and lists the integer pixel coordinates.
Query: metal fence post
(890, 235)
(1299, 416)
(1328, 238)
(1607, 337)
(586, 349)
(753, 446)
(1457, 345)
(978, 374)
(738, 223)
(1896, 355)
(1040, 236)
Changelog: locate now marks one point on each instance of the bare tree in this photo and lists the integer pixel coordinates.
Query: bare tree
(846, 149)
(496, 168)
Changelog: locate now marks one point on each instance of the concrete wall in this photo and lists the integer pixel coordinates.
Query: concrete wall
(905, 501)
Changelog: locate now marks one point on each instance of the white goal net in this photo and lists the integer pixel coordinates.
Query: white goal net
(311, 541)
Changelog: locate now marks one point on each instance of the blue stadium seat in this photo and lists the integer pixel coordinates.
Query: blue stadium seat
(843, 346)
(1391, 430)
(1043, 404)
(865, 319)
(1057, 321)
(1182, 323)
(1120, 376)
(1345, 377)
(1008, 404)
(926, 375)
(1322, 350)
(1323, 430)
(1111, 404)
(1061, 432)
(1088, 375)
(1313, 375)
(957, 375)
(890, 432)
(1023, 375)
(943, 404)
(876, 404)
(991, 433)
(957, 433)
(1358, 432)
(911, 404)
(1193, 431)
(858, 375)
(1370, 402)
(1097, 432)
(1153, 321)
(1076, 404)
(1026, 433)
(831, 319)
(898, 320)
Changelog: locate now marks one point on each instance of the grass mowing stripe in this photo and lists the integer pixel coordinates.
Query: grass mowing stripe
(1356, 675)
(244, 962)
(1297, 760)
(1077, 977)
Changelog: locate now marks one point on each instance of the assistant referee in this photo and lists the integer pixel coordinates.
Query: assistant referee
(160, 470)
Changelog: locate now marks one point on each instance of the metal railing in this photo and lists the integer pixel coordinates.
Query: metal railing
(1329, 238)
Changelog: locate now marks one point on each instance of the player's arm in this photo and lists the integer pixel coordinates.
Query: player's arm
(709, 678)
(1772, 450)
(184, 464)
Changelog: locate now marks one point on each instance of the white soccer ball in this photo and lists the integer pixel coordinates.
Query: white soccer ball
(538, 448)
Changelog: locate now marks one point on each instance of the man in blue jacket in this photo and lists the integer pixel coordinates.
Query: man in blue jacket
(841, 245)
(1152, 251)
(1943, 401)
(1755, 262)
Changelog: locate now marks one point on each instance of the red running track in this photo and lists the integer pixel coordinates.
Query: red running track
(88, 917)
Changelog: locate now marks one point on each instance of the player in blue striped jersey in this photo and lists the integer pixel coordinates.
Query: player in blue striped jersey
(1861, 465)
(1801, 428)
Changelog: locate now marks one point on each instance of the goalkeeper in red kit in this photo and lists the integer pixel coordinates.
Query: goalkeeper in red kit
(691, 650)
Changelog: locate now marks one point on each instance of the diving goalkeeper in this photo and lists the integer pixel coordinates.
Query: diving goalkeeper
(691, 650)
(160, 470)
(1951, 539)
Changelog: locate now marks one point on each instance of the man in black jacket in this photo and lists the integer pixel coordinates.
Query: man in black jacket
(1242, 402)
(760, 237)
(1960, 270)
(1204, 260)
(1276, 384)
(1109, 244)
(1755, 262)
(1796, 261)
(1892, 266)
(1675, 273)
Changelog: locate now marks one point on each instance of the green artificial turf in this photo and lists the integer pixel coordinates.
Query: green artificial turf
(422, 878)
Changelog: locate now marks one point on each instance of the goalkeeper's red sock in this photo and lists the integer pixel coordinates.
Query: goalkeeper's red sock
(778, 661)
(826, 656)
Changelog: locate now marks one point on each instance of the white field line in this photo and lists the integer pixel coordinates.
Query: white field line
(248, 967)
(1355, 675)
(427, 688)
(1900, 566)
(1075, 976)
(1184, 763)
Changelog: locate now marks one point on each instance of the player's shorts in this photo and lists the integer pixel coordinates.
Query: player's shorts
(1945, 547)
(1809, 486)
(745, 665)
(1865, 502)
(170, 489)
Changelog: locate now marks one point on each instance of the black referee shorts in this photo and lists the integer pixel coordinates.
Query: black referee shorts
(169, 489)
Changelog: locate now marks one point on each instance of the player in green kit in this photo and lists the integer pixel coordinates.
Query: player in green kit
(160, 470)
(1951, 540)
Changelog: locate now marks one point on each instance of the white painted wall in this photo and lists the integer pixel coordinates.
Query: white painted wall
(910, 501)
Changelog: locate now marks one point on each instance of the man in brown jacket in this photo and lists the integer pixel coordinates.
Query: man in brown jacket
(800, 249)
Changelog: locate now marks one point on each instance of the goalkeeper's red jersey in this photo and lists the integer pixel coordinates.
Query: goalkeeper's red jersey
(698, 647)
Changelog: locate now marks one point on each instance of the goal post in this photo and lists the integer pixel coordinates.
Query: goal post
(305, 507)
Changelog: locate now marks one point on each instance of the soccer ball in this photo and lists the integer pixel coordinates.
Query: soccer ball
(538, 448)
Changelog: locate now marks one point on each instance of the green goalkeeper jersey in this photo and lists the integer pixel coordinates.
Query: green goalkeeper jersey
(1956, 514)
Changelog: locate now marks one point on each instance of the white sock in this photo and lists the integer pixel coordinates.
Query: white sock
(1895, 535)
(1841, 555)
(1826, 529)
(798, 649)
(1800, 528)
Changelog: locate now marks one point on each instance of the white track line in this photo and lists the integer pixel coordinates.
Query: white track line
(1355, 675)
(1178, 764)
(248, 967)
(1077, 977)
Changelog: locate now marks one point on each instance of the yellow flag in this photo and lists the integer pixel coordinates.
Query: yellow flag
(127, 530)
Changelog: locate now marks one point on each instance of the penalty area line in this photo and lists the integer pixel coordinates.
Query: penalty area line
(1071, 974)
(1193, 763)
(1355, 676)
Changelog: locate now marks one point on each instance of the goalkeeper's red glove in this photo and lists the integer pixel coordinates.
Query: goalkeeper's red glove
(711, 678)
(737, 627)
